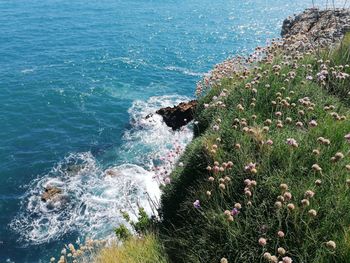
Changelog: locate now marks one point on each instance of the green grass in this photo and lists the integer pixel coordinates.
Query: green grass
(134, 250)
(205, 234)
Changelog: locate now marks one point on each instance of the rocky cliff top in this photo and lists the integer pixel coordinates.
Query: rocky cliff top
(322, 27)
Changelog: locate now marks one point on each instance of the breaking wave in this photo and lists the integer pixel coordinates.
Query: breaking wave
(92, 194)
(185, 71)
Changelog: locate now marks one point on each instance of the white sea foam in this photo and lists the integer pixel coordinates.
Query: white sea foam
(185, 71)
(93, 195)
(27, 70)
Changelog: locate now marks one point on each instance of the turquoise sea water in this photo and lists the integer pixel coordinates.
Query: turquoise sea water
(77, 79)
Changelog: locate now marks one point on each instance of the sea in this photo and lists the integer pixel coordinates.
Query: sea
(77, 80)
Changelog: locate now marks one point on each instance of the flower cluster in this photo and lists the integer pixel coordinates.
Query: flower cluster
(290, 112)
(292, 142)
(81, 252)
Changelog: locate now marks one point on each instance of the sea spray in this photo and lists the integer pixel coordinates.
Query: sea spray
(93, 195)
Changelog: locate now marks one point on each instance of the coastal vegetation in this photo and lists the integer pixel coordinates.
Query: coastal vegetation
(145, 249)
(267, 177)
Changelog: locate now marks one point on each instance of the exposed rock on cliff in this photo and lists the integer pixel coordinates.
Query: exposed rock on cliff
(322, 27)
(178, 116)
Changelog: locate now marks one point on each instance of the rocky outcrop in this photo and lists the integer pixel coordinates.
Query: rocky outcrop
(178, 116)
(50, 193)
(322, 27)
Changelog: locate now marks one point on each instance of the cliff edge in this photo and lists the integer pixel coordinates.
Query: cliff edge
(323, 27)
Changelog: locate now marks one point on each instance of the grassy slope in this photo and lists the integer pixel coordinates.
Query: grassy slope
(134, 250)
(205, 234)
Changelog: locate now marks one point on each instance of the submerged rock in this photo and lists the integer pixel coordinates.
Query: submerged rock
(149, 116)
(50, 193)
(74, 169)
(178, 116)
(112, 173)
(322, 27)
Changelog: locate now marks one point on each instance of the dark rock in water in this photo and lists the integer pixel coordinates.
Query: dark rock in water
(74, 169)
(112, 173)
(178, 116)
(322, 27)
(50, 193)
(149, 116)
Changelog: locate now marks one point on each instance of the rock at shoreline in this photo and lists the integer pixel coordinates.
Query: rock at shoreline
(178, 116)
(50, 193)
(322, 27)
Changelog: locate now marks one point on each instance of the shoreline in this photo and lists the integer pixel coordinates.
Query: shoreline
(235, 66)
(221, 71)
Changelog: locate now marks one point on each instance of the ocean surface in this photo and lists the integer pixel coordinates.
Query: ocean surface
(77, 79)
